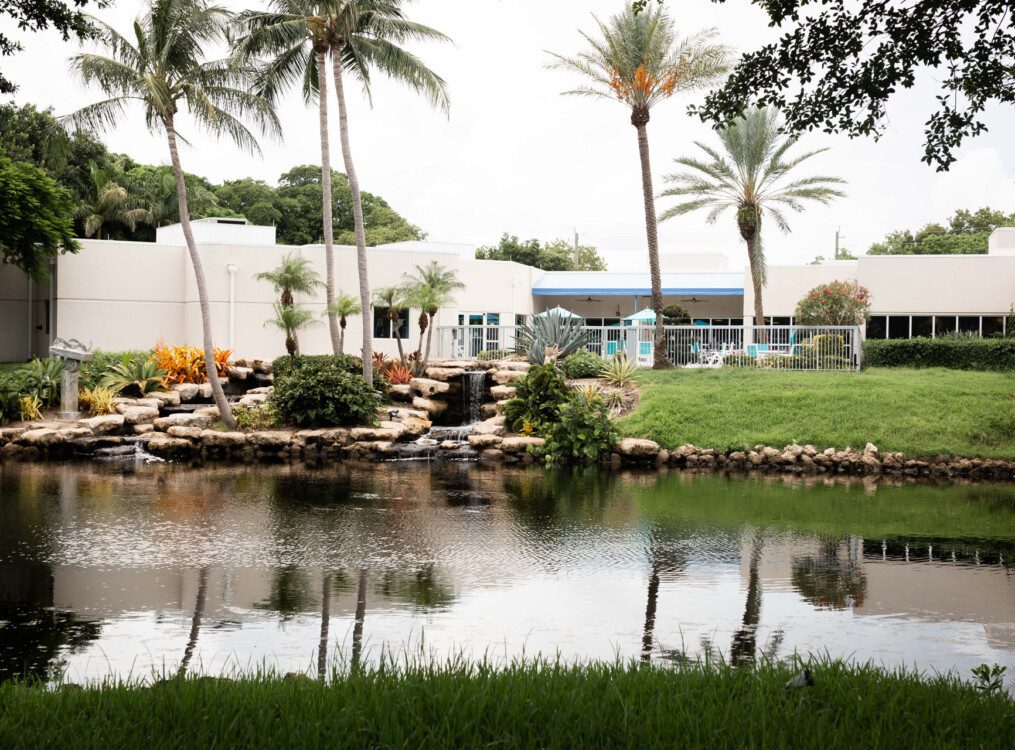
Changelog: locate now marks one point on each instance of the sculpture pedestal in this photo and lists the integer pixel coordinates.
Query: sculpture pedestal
(69, 393)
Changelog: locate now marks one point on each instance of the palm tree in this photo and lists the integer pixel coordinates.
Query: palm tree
(639, 61)
(295, 36)
(291, 320)
(393, 298)
(344, 306)
(430, 288)
(163, 70)
(111, 202)
(746, 175)
(292, 276)
(366, 35)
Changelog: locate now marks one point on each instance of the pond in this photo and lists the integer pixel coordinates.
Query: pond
(134, 570)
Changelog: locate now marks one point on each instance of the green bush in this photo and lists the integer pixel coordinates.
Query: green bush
(957, 354)
(286, 365)
(583, 364)
(582, 430)
(676, 315)
(537, 396)
(132, 376)
(41, 378)
(321, 393)
(490, 354)
(829, 344)
(739, 360)
(793, 362)
(837, 303)
(92, 372)
(12, 388)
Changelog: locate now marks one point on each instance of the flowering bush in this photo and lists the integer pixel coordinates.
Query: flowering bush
(397, 374)
(838, 303)
(185, 364)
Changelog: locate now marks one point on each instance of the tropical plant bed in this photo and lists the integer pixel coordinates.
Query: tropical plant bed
(521, 705)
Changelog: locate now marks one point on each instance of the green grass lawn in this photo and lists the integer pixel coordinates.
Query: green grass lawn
(918, 412)
(596, 705)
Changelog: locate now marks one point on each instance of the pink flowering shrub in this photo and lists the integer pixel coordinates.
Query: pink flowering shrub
(838, 303)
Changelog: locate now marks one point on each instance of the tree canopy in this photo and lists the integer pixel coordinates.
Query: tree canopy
(966, 233)
(37, 221)
(558, 255)
(838, 63)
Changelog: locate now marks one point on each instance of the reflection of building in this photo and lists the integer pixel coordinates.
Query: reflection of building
(151, 285)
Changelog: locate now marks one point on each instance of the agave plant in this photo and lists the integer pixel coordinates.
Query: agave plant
(134, 376)
(550, 336)
(619, 371)
(42, 378)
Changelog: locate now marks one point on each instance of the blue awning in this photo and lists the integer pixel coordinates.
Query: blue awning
(640, 291)
(625, 284)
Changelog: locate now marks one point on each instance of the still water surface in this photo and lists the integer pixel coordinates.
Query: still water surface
(134, 570)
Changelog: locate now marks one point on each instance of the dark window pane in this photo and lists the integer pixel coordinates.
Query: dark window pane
(944, 324)
(993, 325)
(381, 324)
(782, 320)
(593, 321)
(921, 325)
(403, 324)
(611, 321)
(720, 321)
(519, 320)
(736, 321)
(493, 319)
(461, 320)
(876, 327)
(969, 323)
(898, 326)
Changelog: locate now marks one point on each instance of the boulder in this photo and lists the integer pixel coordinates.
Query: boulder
(207, 411)
(190, 433)
(430, 406)
(488, 410)
(133, 415)
(870, 450)
(449, 445)
(637, 448)
(204, 391)
(501, 392)
(485, 441)
(386, 431)
(143, 429)
(426, 387)
(251, 400)
(443, 373)
(216, 439)
(7, 434)
(165, 398)
(492, 426)
(188, 391)
(266, 389)
(491, 454)
(239, 373)
(269, 440)
(520, 443)
(122, 404)
(400, 392)
(104, 424)
(503, 377)
(38, 438)
(416, 426)
(166, 446)
(182, 420)
(74, 433)
(511, 364)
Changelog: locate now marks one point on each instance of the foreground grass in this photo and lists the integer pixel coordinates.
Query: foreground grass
(530, 705)
(918, 412)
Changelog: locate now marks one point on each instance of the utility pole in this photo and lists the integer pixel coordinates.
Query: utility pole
(838, 237)
(576, 249)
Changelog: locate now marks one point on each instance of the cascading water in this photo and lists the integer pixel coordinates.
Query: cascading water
(473, 390)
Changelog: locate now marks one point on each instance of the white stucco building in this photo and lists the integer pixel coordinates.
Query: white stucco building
(127, 295)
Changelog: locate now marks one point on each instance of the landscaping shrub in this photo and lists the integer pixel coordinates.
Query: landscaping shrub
(954, 353)
(553, 331)
(739, 360)
(262, 417)
(794, 362)
(134, 377)
(185, 364)
(11, 385)
(286, 365)
(41, 378)
(582, 364)
(97, 400)
(397, 374)
(837, 303)
(676, 315)
(30, 407)
(537, 396)
(93, 371)
(322, 393)
(581, 431)
(619, 370)
(829, 345)
(490, 354)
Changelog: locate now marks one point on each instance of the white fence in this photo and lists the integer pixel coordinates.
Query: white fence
(790, 347)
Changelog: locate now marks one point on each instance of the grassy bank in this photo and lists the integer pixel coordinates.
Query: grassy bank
(918, 412)
(522, 706)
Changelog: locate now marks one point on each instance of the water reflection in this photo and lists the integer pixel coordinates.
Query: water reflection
(107, 569)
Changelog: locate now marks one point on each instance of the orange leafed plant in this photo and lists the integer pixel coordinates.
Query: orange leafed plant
(396, 373)
(185, 364)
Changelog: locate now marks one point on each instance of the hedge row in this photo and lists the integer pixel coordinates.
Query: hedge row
(957, 354)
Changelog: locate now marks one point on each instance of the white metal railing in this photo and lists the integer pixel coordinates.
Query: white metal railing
(781, 347)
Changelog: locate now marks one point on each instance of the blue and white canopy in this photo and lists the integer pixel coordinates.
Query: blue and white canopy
(559, 311)
(647, 315)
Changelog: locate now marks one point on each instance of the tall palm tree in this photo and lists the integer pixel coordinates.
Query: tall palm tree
(112, 201)
(393, 298)
(367, 35)
(164, 69)
(295, 37)
(291, 320)
(638, 59)
(344, 307)
(430, 288)
(746, 174)
(291, 276)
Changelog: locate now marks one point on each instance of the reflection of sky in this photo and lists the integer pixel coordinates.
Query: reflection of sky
(512, 574)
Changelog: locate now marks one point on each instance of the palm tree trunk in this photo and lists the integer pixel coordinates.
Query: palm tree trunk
(357, 217)
(429, 336)
(423, 320)
(639, 118)
(225, 411)
(759, 315)
(328, 226)
(398, 340)
(341, 336)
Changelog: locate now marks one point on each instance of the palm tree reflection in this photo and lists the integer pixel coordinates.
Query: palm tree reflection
(195, 622)
(745, 640)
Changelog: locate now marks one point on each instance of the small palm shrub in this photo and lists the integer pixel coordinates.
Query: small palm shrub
(537, 396)
(581, 431)
(582, 364)
(619, 371)
(30, 407)
(41, 378)
(323, 394)
(553, 331)
(97, 400)
(134, 377)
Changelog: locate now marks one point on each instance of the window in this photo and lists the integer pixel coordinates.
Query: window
(969, 323)
(898, 326)
(520, 320)
(384, 328)
(993, 325)
(922, 325)
(876, 327)
(944, 324)
(736, 321)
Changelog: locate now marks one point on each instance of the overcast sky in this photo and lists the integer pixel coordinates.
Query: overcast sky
(516, 156)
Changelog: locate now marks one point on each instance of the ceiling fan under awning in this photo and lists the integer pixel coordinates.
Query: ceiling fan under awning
(589, 299)
(692, 298)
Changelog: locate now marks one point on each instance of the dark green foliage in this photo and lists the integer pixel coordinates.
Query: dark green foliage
(581, 432)
(792, 362)
(583, 364)
(550, 330)
(537, 396)
(739, 360)
(36, 218)
(92, 372)
(133, 376)
(879, 48)
(676, 315)
(558, 255)
(955, 353)
(316, 394)
(41, 377)
(522, 705)
(286, 365)
(12, 388)
(966, 234)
